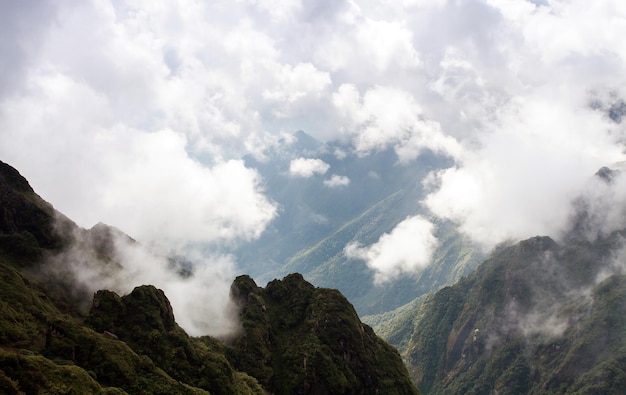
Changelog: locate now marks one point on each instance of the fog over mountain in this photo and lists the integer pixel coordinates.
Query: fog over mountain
(138, 113)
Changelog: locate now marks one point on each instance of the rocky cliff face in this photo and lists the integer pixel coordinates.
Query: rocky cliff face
(311, 341)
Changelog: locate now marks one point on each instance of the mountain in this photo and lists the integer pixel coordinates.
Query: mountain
(316, 222)
(55, 337)
(537, 317)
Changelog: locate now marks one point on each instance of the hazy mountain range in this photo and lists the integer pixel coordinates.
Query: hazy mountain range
(539, 316)
(318, 219)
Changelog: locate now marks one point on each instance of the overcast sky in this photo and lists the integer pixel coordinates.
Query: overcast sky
(135, 113)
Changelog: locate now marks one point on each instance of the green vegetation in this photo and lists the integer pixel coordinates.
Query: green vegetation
(326, 264)
(44, 349)
(32, 374)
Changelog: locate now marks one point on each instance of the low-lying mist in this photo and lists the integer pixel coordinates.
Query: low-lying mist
(105, 258)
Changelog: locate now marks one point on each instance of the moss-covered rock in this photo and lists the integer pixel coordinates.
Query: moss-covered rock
(34, 374)
(144, 319)
(302, 339)
(30, 322)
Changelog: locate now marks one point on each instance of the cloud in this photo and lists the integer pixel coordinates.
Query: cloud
(143, 182)
(384, 44)
(406, 249)
(295, 83)
(534, 140)
(336, 181)
(599, 210)
(21, 39)
(386, 117)
(306, 167)
(276, 10)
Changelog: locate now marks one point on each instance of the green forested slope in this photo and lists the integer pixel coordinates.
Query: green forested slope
(537, 317)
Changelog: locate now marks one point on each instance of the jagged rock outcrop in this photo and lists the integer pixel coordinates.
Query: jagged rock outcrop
(144, 319)
(298, 339)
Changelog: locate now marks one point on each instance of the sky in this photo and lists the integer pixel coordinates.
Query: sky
(136, 113)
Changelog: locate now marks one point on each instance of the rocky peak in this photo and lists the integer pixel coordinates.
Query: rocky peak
(301, 339)
(27, 222)
(146, 307)
(11, 179)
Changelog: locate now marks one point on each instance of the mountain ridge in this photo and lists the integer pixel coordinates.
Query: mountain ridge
(537, 317)
(132, 343)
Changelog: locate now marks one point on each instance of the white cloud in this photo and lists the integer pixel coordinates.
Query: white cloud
(599, 209)
(527, 171)
(377, 45)
(386, 117)
(388, 43)
(408, 248)
(277, 10)
(337, 181)
(561, 29)
(306, 167)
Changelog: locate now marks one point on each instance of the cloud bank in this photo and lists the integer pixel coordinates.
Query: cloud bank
(386, 117)
(407, 248)
(527, 172)
(137, 113)
(506, 89)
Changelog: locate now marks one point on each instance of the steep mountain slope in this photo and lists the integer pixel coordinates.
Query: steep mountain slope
(132, 344)
(536, 317)
(316, 222)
